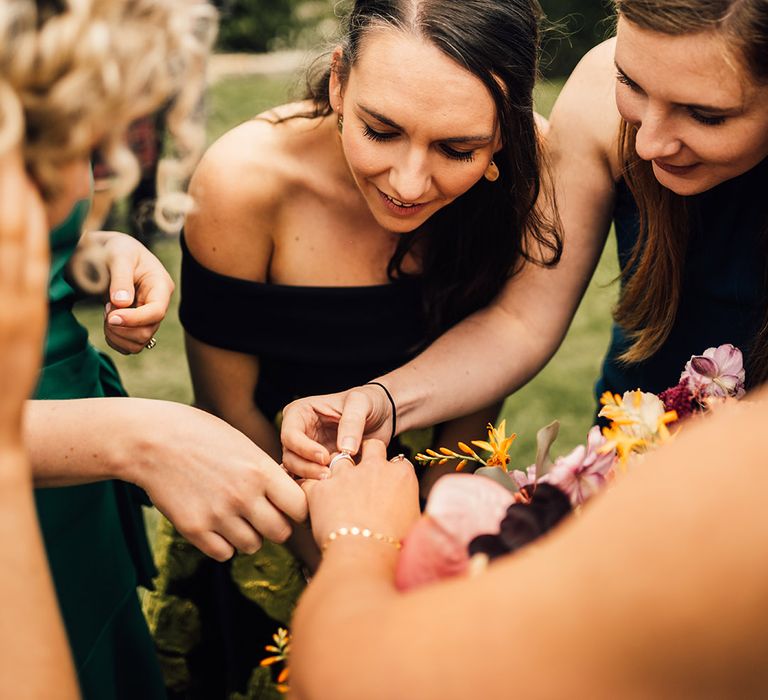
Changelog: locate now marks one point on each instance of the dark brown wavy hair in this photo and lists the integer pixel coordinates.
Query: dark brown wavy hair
(470, 248)
(653, 274)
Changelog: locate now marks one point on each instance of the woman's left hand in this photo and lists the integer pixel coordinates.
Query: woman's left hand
(140, 290)
(377, 494)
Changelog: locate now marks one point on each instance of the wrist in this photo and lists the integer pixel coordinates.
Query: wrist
(361, 553)
(392, 407)
(410, 395)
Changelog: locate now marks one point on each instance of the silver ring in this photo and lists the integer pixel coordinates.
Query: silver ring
(341, 455)
(152, 342)
(398, 458)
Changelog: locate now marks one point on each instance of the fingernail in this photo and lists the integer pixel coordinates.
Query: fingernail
(319, 457)
(348, 444)
(107, 307)
(115, 321)
(325, 474)
(121, 295)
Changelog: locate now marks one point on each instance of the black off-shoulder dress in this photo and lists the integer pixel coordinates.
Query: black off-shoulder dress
(212, 621)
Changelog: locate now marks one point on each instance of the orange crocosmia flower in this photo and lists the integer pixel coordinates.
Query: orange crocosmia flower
(498, 445)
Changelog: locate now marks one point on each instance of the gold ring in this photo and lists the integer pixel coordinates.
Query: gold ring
(152, 342)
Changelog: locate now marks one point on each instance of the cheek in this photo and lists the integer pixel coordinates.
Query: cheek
(629, 105)
(456, 179)
(366, 157)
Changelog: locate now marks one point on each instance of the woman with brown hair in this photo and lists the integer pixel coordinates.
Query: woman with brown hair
(664, 130)
(385, 207)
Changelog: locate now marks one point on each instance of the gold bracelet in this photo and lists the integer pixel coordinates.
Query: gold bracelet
(361, 532)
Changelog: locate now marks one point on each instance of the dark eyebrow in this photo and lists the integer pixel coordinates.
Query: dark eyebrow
(453, 139)
(702, 108)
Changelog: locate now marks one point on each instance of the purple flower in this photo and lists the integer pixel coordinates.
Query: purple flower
(525, 478)
(718, 373)
(584, 471)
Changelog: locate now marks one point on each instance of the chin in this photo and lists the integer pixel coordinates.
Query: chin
(682, 186)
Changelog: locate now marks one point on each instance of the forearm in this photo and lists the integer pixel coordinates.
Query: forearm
(80, 440)
(35, 655)
(618, 602)
(480, 361)
(249, 420)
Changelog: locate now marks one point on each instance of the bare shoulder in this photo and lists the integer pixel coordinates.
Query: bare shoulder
(585, 116)
(237, 188)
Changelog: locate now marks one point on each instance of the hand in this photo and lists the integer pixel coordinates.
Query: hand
(377, 494)
(315, 426)
(24, 270)
(218, 488)
(139, 292)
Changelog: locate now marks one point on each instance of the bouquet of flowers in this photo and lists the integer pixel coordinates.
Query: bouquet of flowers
(470, 519)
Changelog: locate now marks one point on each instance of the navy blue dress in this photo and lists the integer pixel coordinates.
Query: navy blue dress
(723, 296)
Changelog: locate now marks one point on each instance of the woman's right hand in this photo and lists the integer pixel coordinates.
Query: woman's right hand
(24, 270)
(219, 489)
(316, 426)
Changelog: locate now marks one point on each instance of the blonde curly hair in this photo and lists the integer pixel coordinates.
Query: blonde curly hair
(76, 73)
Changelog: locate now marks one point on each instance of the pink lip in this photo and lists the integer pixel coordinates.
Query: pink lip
(398, 210)
(675, 169)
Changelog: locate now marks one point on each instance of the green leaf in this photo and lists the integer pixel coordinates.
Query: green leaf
(499, 476)
(544, 439)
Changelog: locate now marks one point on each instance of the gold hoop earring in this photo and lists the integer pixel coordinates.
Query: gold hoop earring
(491, 172)
(340, 123)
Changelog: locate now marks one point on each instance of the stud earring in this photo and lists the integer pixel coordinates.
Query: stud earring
(340, 124)
(491, 172)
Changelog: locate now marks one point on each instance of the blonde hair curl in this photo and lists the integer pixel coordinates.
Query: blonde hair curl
(74, 73)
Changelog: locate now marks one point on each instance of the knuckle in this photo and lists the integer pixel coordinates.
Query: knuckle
(280, 533)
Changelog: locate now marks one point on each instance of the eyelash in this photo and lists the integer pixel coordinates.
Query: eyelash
(379, 137)
(703, 119)
(697, 116)
(624, 80)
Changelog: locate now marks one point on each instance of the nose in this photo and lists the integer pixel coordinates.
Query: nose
(655, 136)
(410, 177)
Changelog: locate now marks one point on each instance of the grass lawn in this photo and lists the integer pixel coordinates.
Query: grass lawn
(563, 390)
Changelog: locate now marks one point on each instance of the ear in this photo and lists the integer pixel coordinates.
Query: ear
(335, 85)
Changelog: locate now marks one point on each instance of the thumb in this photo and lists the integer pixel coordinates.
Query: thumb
(121, 283)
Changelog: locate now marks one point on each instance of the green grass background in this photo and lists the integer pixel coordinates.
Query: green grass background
(563, 390)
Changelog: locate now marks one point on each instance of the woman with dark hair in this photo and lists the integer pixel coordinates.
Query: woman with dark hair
(385, 207)
(664, 130)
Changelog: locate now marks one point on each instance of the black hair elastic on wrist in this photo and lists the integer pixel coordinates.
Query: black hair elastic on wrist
(394, 408)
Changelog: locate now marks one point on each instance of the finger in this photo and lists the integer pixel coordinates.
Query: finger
(141, 335)
(303, 468)
(374, 449)
(293, 435)
(154, 286)
(357, 410)
(340, 462)
(268, 521)
(122, 346)
(241, 535)
(284, 493)
(213, 545)
(121, 282)
(151, 313)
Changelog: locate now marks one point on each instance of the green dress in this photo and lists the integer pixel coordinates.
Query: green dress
(94, 534)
